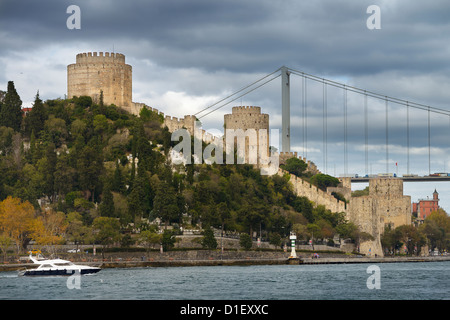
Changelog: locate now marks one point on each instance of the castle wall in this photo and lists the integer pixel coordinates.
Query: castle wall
(303, 188)
(94, 72)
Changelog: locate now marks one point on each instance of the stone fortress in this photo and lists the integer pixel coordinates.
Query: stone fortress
(385, 205)
(96, 72)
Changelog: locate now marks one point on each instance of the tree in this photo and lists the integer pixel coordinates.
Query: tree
(49, 228)
(64, 176)
(295, 166)
(149, 238)
(55, 130)
(47, 168)
(347, 230)
(11, 111)
(275, 239)
(16, 218)
(245, 241)
(106, 207)
(36, 117)
(118, 182)
(412, 238)
(76, 231)
(89, 168)
(323, 181)
(5, 242)
(165, 203)
(168, 240)
(391, 240)
(436, 228)
(106, 231)
(208, 240)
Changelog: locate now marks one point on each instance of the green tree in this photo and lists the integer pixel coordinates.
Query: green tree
(245, 241)
(149, 238)
(106, 207)
(165, 203)
(295, 166)
(208, 240)
(36, 117)
(323, 181)
(106, 231)
(347, 230)
(76, 231)
(412, 238)
(55, 130)
(275, 239)
(11, 111)
(47, 167)
(118, 181)
(89, 168)
(168, 240)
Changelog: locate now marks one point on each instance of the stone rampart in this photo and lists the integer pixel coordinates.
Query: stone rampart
(303, 188)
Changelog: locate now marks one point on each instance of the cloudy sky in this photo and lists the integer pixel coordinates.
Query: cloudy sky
(187, 55)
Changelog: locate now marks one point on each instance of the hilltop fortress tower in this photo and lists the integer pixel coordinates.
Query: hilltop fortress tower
(245, 118)
(95, 72)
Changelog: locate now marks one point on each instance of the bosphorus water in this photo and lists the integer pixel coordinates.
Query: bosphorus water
(401, 281)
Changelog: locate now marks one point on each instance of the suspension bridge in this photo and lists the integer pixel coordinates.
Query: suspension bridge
(325, 96)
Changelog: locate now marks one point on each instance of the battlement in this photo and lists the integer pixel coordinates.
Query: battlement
(246, 110)
(100, 57)
(386, 187)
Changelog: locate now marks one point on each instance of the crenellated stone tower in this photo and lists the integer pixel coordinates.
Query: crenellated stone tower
(245, 118)
(95, 72)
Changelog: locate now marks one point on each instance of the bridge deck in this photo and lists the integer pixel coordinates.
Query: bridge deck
(405, 179)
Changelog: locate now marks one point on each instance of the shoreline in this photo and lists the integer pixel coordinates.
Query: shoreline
(238, 262)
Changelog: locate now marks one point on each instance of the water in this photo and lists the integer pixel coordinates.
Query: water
(401, 281)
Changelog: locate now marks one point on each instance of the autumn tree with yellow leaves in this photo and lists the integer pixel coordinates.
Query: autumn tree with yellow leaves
(20, 223)
(16, 221)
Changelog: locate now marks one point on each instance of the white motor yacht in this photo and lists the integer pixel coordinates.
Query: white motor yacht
(57, 267)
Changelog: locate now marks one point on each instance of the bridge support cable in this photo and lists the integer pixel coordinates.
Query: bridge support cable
(370, 93)
(345, 134)
(407, 137)
(387, 136)
(236, 98)
(325, 126)
(366, 134)
(237, 92)
(429, 144)
(305, 117)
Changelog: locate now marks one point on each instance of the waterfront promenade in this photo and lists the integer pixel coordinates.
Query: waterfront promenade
(142, 263)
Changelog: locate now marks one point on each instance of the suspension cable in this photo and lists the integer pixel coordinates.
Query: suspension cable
(369, 93)
(240, 90)
(240, 96)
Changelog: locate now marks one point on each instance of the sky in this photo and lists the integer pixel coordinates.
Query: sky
(188, 55)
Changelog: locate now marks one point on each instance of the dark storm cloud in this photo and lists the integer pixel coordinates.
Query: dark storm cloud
(325, 36)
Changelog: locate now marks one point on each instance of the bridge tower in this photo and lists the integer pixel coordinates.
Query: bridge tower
(285, 111)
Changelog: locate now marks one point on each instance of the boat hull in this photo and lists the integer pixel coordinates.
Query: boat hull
(59, 272)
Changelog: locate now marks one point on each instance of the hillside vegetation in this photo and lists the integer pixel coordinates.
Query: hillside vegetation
(77, 171)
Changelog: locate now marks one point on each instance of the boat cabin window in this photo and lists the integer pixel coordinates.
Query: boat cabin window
(46, 266)
(64, 264)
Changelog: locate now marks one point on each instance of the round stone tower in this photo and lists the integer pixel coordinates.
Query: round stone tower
(95, 72)
(245, 118)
